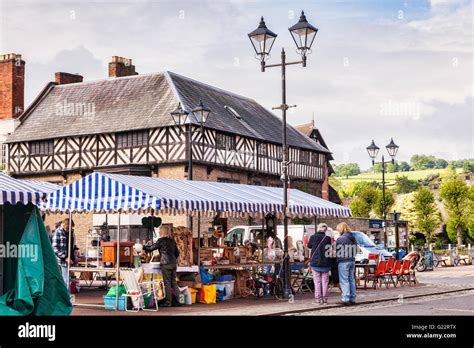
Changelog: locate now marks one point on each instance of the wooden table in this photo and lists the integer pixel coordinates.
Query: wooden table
(95, 272)
(366, 267)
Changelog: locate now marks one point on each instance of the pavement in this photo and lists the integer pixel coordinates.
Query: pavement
(443, 291)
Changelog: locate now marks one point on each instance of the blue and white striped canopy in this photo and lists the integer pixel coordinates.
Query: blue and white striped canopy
(23, 191)
(102, 192)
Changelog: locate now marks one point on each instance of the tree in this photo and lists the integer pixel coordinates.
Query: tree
(405, 205)
(336, 184)
(440, 163)
(420, 162)
(427, 214)
(353, 189)
(392, 167)
(404, 166)
(389, 201)
(360, 208)
(367, 200)
(377, 168)
(405, 185)
(346, 170)
(468, 166)
(457, 198)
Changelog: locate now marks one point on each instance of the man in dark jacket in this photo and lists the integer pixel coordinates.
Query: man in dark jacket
(320, 260)
(346, 250)
(169, 254)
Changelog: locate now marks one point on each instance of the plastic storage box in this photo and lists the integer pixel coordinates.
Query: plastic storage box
(229, 288)
(109, 302)
(224, 278)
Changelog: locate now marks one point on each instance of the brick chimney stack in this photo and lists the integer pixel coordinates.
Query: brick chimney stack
(120, 66)
(63, 78)
(12, 85)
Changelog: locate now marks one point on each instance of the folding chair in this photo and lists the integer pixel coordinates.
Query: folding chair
(390, 263)
(301, 279)
(137, 291)
(378, 275)
(412, 272)
(391, 275)
(403, 273)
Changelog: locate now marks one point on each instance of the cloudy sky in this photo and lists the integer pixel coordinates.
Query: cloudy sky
(379, 69)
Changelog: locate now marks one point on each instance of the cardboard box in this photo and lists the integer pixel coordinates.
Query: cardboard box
(196, 285)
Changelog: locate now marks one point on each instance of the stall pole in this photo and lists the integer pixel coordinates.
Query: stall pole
(263, 239)
(1, 242)
(190, 168)
(69, 241)
(199, 240)
(152, 224)
(117, 265)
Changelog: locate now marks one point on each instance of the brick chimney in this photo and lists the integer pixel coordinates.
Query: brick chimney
(12, 85)
(325, 186)
(63, 78)
(120, 66)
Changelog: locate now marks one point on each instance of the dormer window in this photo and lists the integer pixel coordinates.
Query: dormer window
(232, 111)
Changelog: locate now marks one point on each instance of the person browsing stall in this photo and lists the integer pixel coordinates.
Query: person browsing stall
(346, 250)
(60, 241)
(320, 260)
(169, 254)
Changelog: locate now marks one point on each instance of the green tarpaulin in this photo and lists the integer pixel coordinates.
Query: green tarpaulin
(33, 284)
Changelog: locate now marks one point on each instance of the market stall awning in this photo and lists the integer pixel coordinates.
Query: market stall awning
(102, 192)
(23, 191)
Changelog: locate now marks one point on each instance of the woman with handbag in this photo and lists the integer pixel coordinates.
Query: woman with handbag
(321, 261)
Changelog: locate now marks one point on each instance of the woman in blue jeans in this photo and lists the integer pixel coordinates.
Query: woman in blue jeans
(346, 250)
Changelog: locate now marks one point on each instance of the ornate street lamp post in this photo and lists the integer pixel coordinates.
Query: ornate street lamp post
(262, 40)
(392, 150)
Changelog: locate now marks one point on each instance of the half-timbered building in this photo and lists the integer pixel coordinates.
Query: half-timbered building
(123, 125)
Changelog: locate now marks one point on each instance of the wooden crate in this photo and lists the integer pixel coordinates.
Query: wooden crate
(109, 252)
(206, 254)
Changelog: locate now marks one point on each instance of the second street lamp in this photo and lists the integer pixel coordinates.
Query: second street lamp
(262, 40)
(181, 118)
(392, 150)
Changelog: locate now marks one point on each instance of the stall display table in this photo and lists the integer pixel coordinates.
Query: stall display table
(96, 272)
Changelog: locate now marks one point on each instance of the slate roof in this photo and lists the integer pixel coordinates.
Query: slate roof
(145, 101)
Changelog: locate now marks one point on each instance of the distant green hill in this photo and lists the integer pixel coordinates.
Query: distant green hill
(390, 177)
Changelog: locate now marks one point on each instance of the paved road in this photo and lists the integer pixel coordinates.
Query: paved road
(435, 282)
(461, 275)
(461, 303)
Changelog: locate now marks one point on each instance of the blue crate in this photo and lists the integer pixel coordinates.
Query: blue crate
(109, 302)
(224, 278)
